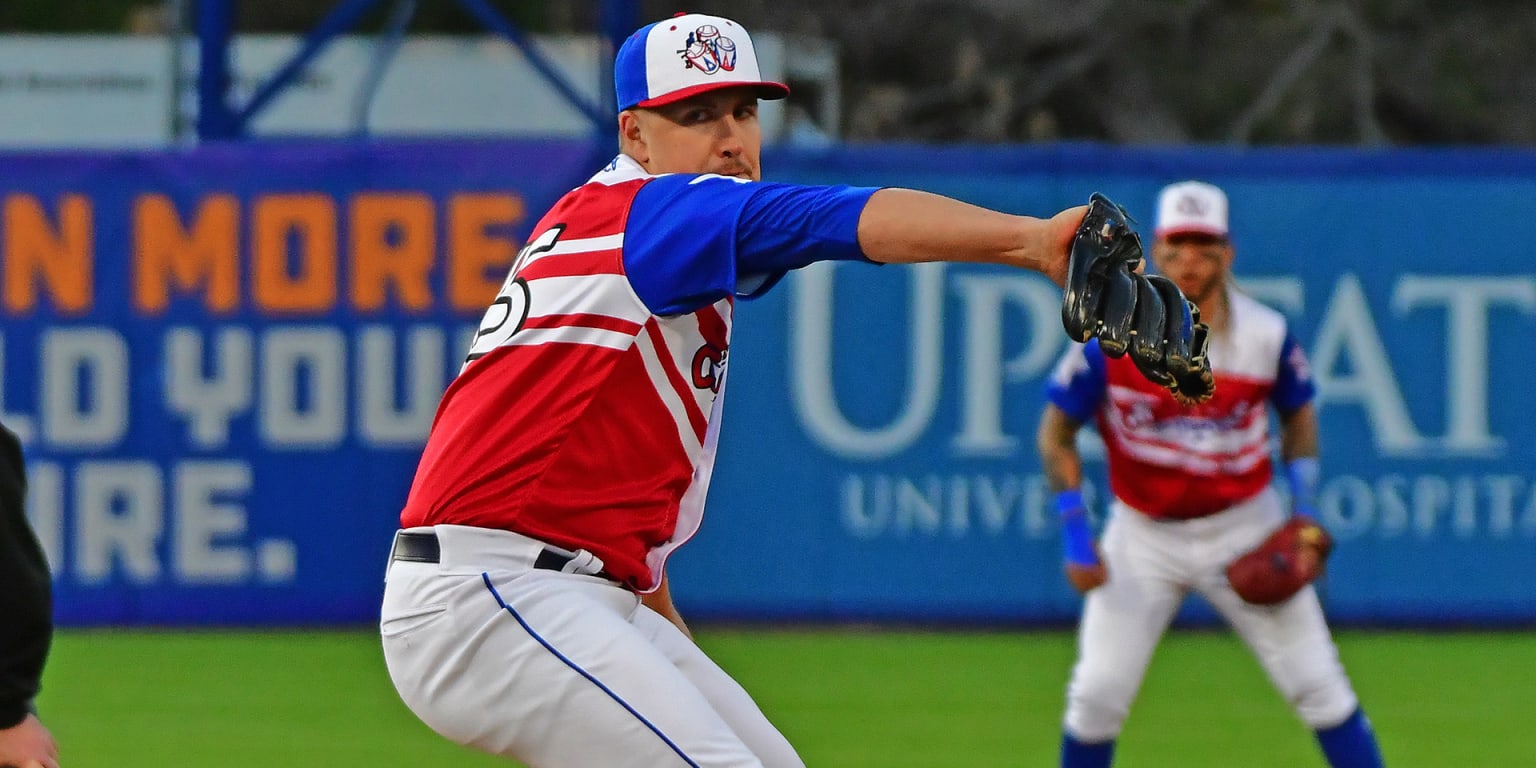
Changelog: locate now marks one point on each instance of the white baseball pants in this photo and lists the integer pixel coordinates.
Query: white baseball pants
(1152, 565)
(559, 669)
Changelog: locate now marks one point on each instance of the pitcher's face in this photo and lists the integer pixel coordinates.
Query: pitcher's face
(713, 132)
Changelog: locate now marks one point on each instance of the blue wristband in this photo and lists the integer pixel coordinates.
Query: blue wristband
(1303, 474)
(1076, 538)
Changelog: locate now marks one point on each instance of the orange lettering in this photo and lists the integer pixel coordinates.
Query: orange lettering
(35, 253)
(308, 223)
(392, 243)
(166, 253)
(472, 254)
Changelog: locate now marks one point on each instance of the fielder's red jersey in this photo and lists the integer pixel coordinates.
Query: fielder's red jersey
(1169, 460)
(581, 418)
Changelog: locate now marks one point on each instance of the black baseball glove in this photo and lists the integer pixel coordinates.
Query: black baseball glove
(1147, 316)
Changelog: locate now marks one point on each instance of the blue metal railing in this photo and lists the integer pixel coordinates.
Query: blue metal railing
(220, 119)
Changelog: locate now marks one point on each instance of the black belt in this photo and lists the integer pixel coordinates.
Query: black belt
(422, 547)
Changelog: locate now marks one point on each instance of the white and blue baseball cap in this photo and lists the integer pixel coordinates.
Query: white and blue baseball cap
(1192, 208)
(686, 55)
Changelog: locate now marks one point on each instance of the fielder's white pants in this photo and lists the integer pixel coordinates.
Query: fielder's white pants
(1152, 565)
(559, 670)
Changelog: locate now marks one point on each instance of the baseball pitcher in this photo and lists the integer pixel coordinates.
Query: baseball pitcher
(526, 608)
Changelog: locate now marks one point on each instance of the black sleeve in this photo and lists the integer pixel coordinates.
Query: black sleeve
(26, 595)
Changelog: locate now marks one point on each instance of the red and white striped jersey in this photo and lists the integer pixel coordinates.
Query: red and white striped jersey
(1168, 460)
(581, 418)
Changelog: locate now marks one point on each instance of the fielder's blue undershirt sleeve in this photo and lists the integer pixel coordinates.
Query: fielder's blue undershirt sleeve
(1294, 386)
(693, 240)
(1078, 384)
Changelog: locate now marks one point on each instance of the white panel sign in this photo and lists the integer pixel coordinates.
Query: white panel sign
(84, 91)
(59, 91)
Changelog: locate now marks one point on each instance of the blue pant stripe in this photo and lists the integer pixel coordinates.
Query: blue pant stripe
(566, 661)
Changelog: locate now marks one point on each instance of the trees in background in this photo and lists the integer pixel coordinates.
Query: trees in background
(1350, 72)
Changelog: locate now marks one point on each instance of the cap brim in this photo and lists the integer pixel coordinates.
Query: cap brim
(1191, 229)
(765, 90)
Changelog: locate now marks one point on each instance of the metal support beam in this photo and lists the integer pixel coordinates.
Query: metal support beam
(218, 118)
(619, 19)
(386, 45)
(602, 119)
(215, 26)
(342, 19)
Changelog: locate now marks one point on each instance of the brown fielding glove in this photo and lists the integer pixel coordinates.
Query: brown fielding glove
(1147, 316)
(1291, 558)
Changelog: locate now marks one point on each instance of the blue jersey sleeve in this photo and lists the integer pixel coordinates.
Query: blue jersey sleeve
(693, 240)
(1294, 386)
(1078, 383)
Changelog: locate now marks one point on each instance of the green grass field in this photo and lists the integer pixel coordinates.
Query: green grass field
(847, 698)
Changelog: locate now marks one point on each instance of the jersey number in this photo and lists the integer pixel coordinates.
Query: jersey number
(507, 314)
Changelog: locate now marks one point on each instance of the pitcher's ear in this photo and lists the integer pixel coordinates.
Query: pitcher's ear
(631, 138)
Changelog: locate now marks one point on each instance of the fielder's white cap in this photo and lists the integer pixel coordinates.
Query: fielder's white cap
(685, 55)
(1191, 207)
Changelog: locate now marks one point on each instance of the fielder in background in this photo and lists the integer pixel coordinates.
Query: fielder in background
(526, 609)
(1192, 495)
(26, 620)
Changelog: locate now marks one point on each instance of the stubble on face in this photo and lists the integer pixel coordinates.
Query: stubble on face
(714, 132)
(1197, 267)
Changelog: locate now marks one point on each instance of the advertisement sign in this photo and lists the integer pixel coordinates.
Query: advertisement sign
(882, 460)
(223, 364)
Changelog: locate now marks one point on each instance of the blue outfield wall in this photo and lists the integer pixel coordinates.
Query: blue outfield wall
(223, 363)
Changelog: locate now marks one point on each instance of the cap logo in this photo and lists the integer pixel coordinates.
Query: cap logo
(1190, 205)
(709, 51)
